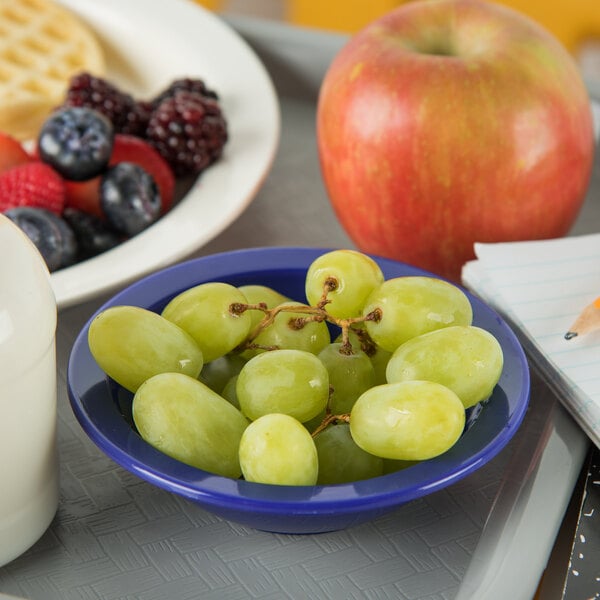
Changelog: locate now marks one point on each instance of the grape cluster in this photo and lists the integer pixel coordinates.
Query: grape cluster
(365, 377)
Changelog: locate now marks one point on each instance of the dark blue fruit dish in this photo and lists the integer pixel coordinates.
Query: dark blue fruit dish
(97, 404)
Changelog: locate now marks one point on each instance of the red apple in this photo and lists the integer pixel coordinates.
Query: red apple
(447, 122)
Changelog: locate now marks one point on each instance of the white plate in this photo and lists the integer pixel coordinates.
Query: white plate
(147, 45)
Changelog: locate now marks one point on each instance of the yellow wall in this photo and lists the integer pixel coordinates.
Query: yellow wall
(571, 21)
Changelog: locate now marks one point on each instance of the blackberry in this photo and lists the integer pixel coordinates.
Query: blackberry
(189, 131)
(136, 119)
(186, 84)
(126, 114)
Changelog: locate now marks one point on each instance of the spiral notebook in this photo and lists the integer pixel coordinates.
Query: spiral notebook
(540, 287)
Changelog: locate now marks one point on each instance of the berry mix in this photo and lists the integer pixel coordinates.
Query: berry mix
(106, 165)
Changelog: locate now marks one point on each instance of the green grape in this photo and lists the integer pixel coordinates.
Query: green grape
(359, 338)
(229, 392)
(341, 460)
(283, 333)
(355, 275)
(204, 312)
(409, 420)
(277, 449)
(410, 306)
(292, 382)
(349, 376)
(185, 419)
(379, 360)
(313, 423)
(131, 344)
(255, 294)
(218, 372)
(467, 359)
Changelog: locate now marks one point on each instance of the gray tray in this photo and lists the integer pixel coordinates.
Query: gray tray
(488, 536)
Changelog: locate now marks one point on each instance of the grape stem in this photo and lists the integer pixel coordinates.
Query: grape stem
(331, 284)
(329, 420)
(312, 314)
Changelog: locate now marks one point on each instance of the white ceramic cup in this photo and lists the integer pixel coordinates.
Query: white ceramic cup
(29, 479)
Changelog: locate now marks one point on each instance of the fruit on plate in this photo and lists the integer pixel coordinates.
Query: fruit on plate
(129, 198)
(33, 184)
(85, 195)
(92, 234)
(54, 239)
(184, 122)
(130, 148)
(12, 152)
(76, 142)
(107, 165)
(189, 131)
(91, 91)
(448, 122)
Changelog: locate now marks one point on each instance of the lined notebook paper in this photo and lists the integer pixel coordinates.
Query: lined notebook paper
(540, 288)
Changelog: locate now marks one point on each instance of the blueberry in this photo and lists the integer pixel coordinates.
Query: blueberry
(77, 142)
(52, 236)
(129, 198)
(93, 235)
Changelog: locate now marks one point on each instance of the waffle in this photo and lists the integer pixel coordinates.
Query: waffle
(41, 46)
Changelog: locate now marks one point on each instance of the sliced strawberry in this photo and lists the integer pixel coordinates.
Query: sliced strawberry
(84, 196)
(32, 184)
(128, 148)
(12, 153)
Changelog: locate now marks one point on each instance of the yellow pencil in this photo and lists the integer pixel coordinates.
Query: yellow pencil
(587, 321)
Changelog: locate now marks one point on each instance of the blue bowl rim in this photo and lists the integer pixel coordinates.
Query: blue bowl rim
(119, 442)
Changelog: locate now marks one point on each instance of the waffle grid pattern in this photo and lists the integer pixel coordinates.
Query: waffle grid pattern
(41, 46)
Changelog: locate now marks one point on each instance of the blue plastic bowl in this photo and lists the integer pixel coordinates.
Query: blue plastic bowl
(101, 406)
